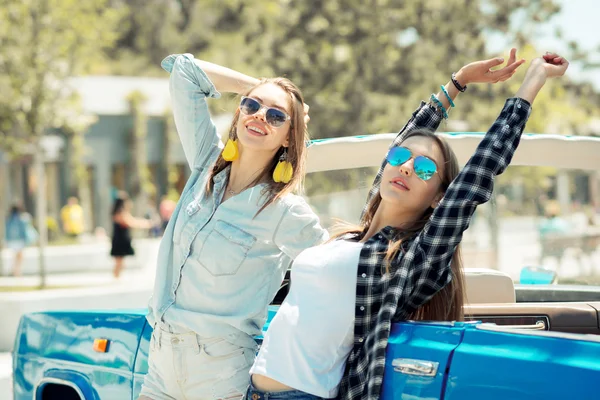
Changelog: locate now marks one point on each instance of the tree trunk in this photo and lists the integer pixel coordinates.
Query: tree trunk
(142, 185)
(41, 211)
(82, 178)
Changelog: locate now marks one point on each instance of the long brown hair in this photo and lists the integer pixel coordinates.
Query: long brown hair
(447, 304)
(296, 151)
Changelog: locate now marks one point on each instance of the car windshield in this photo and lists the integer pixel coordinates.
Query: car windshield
(542, 225)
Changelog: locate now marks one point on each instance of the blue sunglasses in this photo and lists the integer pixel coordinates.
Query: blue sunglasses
(274, 117)
(424, 167)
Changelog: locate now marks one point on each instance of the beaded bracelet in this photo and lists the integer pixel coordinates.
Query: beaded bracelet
(447, 95)
(439, 104)
(456, 84)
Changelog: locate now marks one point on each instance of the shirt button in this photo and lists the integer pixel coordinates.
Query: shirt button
(507, 126)
(174, 340)
(362, 308)
(518, 105)
(364, 275)
(360, 340)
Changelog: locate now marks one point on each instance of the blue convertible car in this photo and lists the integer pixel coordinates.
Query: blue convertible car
(520, 342)
(103, 355)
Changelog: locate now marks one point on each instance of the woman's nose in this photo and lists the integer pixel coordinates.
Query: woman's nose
(407, 168)
(261, 114)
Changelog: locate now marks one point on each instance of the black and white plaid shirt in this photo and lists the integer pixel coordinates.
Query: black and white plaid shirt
(424, 268)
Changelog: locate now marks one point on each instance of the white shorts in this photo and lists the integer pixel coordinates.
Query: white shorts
(186, 366)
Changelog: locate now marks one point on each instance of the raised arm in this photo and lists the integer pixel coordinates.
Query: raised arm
(428, 266)
(192, 82)
(429, 115)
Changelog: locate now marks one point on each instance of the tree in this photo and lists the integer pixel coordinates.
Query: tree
(142, 186)
(42, 43)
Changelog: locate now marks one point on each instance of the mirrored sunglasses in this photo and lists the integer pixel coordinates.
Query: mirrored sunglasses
(424, 167)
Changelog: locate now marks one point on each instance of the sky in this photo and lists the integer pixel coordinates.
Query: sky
(579, 21)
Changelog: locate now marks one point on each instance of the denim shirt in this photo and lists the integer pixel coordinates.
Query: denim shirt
(219, 266)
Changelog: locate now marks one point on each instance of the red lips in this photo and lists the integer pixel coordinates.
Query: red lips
(401, 182)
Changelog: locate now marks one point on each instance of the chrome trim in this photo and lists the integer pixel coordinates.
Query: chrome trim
(539, 318)
(409, 366)
(57, 381)
(553, 334)
(539, 325)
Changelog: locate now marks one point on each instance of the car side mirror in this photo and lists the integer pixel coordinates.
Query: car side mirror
(537, 276)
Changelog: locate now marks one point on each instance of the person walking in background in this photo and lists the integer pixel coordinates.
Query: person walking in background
(19, 234)
(165, 209)
(152, 216)
(72, 218)
(123, 222)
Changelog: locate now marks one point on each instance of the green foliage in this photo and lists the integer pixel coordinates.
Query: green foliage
(43, 42)
(363, 65)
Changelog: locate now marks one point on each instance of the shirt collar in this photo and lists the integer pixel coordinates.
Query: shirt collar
(221, 176)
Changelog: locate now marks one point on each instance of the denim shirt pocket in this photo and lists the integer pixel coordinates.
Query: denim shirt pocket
(225, 249)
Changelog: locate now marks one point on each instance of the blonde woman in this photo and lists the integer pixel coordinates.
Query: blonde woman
(233, 234)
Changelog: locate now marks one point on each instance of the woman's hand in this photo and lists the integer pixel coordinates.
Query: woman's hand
(550, 65)
(306, 116)
(480, 71)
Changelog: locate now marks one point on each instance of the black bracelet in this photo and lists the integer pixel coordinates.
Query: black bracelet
(456, 84)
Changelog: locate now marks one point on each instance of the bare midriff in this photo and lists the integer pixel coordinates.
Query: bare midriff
(265, 384)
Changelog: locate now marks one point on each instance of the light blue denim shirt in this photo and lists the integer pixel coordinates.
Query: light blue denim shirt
(218, 265)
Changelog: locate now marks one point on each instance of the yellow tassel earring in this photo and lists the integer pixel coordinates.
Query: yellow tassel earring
(230, 152)
(283, 170)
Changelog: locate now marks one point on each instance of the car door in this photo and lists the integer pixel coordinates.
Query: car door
(417, 357)
(495, 363)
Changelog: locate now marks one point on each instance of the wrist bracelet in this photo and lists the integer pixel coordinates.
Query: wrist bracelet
(439, 105)
(447, 95)
(456, 84)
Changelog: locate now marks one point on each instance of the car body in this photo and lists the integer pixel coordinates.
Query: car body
(54, 358)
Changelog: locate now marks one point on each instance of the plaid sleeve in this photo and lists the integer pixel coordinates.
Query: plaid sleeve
(424, 117)
(431, 252)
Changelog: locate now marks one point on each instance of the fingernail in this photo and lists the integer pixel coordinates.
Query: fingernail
(500, 59)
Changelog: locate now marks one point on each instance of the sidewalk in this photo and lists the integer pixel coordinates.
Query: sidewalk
(83, 257)
(6, 376)
(135, 277)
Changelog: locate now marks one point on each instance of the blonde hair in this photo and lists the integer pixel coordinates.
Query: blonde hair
(447, 304)
(296, 151)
